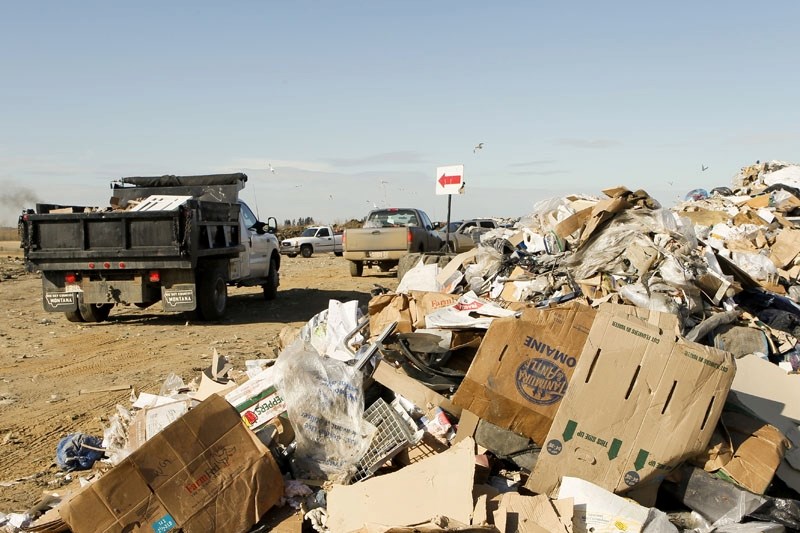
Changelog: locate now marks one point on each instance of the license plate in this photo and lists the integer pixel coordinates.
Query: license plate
(378, 255)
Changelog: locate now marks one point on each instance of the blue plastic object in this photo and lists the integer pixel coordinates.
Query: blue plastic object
(78, 451)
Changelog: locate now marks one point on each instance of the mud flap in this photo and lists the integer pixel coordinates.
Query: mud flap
(58, 302)
(179, 297)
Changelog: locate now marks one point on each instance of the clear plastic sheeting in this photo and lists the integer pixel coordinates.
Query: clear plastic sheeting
(325, 402)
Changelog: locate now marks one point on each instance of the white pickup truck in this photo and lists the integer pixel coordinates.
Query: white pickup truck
(317, 239)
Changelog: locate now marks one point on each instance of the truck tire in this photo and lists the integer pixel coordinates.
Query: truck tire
(212, 294)
(94, 312)
(338, 254)
(271, 286)
(74, 316)
(385, 267)
(356, 269)
(292, 255)
(306, 250)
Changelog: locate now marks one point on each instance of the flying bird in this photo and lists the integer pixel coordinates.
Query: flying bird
(270, 168)
(478, 146)
(703, 168)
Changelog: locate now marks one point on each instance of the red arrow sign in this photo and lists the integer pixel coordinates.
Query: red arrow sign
(449, 180)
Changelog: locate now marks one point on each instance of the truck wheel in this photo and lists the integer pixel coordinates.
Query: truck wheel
(338, 254)
(74, 316)
(271, 286)
(306, 250)
(292, 255)
(212, 295)
(356, 269)
(94, 312)
(385, 267)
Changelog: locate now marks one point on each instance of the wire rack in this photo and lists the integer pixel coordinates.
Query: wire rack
(391, 436)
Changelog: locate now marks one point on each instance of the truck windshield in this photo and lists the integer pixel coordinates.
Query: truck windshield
(390, 218)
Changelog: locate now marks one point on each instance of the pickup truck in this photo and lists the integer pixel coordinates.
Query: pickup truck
(387, 235)
(314, 239)
(178, 240)
(466, 234)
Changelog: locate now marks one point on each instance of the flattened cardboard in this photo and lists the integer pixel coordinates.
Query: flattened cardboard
(123, 502)
(411, 389)
(643, 401)
(759, 449)
(786, 248)
(524, 367)
(204, 472)
(527, 514)
(438, 486)
(573, 223)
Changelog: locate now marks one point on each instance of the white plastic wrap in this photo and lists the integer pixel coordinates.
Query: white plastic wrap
(758, 266)
(325, 403)
(637, 295)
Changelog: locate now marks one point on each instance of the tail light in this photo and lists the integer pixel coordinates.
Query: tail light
(71, 278)
(155, 276)
(409, 236)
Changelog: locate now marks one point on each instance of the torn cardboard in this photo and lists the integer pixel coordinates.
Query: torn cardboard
(661, 398)
(532, 514)
(524, 367)
(759, 450)
(204, 472)
(438, 486)
(385, 309)
(770, 394)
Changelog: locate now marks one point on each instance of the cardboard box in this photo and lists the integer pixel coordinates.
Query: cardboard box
(642, 401)
(422, 303)
(204, 472)
(258, 400)
(524, 367)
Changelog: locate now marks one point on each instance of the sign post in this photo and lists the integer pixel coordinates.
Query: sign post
(449, 181)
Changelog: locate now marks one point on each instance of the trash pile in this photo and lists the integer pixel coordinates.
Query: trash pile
(604, 365)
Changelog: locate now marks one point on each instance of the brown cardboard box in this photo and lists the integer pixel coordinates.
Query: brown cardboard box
(523, 368)
(423, 302)
(642, 401)
(204, 472)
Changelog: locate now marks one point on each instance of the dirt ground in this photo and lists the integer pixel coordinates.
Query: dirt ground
(49, 366)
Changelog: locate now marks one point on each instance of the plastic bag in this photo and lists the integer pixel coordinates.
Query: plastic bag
(78, 451)
(325, 402)
(756, 265)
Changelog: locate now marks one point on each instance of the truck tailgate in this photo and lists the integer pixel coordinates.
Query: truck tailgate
(376, 239)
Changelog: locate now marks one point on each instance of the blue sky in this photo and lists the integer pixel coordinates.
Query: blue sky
(357, 103)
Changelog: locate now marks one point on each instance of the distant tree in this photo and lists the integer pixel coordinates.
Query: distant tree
(287, 222)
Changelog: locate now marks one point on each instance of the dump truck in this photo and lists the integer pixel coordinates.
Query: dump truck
(178, 240)
(387, 235)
